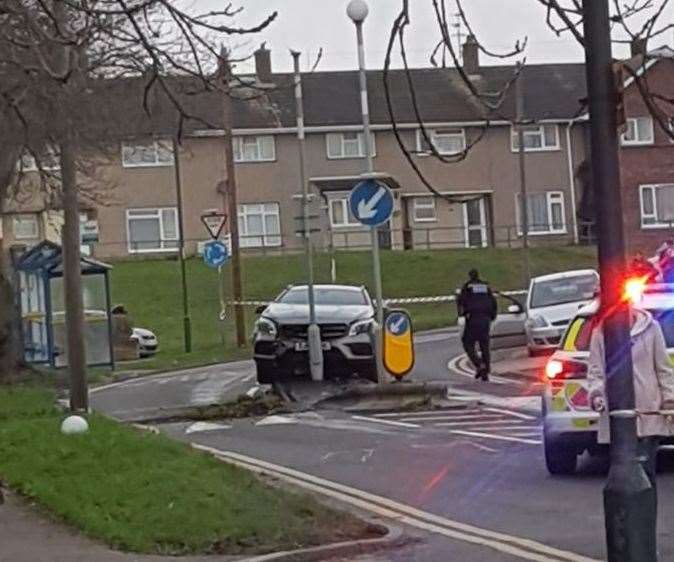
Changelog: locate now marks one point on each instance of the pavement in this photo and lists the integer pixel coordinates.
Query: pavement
(467, 479)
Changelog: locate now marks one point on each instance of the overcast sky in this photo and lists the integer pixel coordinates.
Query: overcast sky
(307, 25)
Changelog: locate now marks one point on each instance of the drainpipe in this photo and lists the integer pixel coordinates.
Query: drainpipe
(572, 180)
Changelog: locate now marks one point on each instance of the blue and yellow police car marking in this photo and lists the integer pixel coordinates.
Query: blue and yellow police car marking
(398, 348)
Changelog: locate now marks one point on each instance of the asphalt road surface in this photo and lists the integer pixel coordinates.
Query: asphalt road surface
(468, 482)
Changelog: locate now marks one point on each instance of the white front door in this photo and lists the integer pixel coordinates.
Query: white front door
(475, 224)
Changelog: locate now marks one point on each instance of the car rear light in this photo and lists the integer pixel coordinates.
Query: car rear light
(557, 369)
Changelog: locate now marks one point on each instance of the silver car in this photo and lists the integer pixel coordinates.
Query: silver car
(345, 315)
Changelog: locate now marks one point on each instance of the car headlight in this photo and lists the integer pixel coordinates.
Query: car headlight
(361, 327)
(266, 327)
(537, 322)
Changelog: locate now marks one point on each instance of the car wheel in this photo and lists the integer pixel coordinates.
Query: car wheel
(560, 459)
(266, 374)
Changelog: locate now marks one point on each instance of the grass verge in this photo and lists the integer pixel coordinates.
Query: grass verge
(145, 493)
(151, 290)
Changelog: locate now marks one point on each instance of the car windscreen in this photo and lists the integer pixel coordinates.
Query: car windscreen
(343, 297)
(561, 291)
(578, 335)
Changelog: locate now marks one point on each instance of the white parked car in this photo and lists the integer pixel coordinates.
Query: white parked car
(553, 300)
(147, 342)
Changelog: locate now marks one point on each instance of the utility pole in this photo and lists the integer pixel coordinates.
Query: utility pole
(72, 281)
(630, 502)
(524, 207)
(313, 331)
(187, 323)
(230, 204)
(70, 236)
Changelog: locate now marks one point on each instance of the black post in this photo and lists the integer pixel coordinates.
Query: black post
(187, 324)
(630, 502)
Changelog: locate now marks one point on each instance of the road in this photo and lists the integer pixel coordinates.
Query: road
(468, 481)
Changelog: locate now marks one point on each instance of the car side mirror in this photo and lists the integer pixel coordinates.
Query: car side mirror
(260, 309)
(515, 309)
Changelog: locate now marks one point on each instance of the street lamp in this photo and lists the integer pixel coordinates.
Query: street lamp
(357, 11)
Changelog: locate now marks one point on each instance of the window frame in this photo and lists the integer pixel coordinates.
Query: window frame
(21, 216)
(637, 142)
(240, 141)
(32, 167)
(433, 133)
(416, 207)
(155, 145)
(655, 225)
(552, 197)
(150, 213)
(273, 240)
(346, 213)
(361, 145)
(541, 131)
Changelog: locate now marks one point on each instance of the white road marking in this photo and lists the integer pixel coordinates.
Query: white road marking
(522, 548)
(454, 366)
(475, 417)
(519, 415)
(491, 436)
(276, 420)
(491, 424)
(458, 411)
(200, 427)
(385, 422)
(432, 338)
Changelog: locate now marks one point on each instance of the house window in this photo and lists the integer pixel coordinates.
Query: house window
(25, 227)
(152, 230)
(545, 213)
(254, 149)
(348, 145)
(639, 130)
(424, 209)
(259, 225)
(657, 206)
(536, 138)
(340, 214)
(146, 154)
(50, 161)
(445, 141)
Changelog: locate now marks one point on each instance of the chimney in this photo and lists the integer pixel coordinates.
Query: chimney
(263, 65)
(471, 57)
(638, 46)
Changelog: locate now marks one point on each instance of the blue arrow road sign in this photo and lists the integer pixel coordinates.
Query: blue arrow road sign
(397, 324)
(215, 253)
(371, 202)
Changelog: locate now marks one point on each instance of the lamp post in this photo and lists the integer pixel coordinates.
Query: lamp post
(313, 331)
(357, 11)
(630, 502)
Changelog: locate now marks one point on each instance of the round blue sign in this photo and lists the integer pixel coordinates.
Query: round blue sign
(397, 324)
(371, 202)
(215, 253)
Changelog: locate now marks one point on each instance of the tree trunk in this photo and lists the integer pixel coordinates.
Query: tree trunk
(10, 348)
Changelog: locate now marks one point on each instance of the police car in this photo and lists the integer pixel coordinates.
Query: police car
(569, 423)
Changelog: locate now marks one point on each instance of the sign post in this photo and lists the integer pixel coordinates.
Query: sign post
(216, 253)
(371, 204)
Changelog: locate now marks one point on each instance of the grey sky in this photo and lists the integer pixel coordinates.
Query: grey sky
(308, 25)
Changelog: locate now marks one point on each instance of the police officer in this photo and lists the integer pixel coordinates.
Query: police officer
(476, 303)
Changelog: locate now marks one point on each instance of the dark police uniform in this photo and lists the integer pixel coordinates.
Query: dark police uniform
(478, 306)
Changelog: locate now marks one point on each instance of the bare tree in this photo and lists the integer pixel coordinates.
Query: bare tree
(70, 63)
(562, 16)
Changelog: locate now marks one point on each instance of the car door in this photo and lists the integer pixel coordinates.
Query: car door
(508, 328)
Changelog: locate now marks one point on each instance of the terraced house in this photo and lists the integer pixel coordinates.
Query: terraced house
(479, 198)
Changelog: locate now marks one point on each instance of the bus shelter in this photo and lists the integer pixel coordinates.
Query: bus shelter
(42, 306)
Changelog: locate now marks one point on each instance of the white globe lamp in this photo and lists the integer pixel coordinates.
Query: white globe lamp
(357, 10)
(74, 425)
